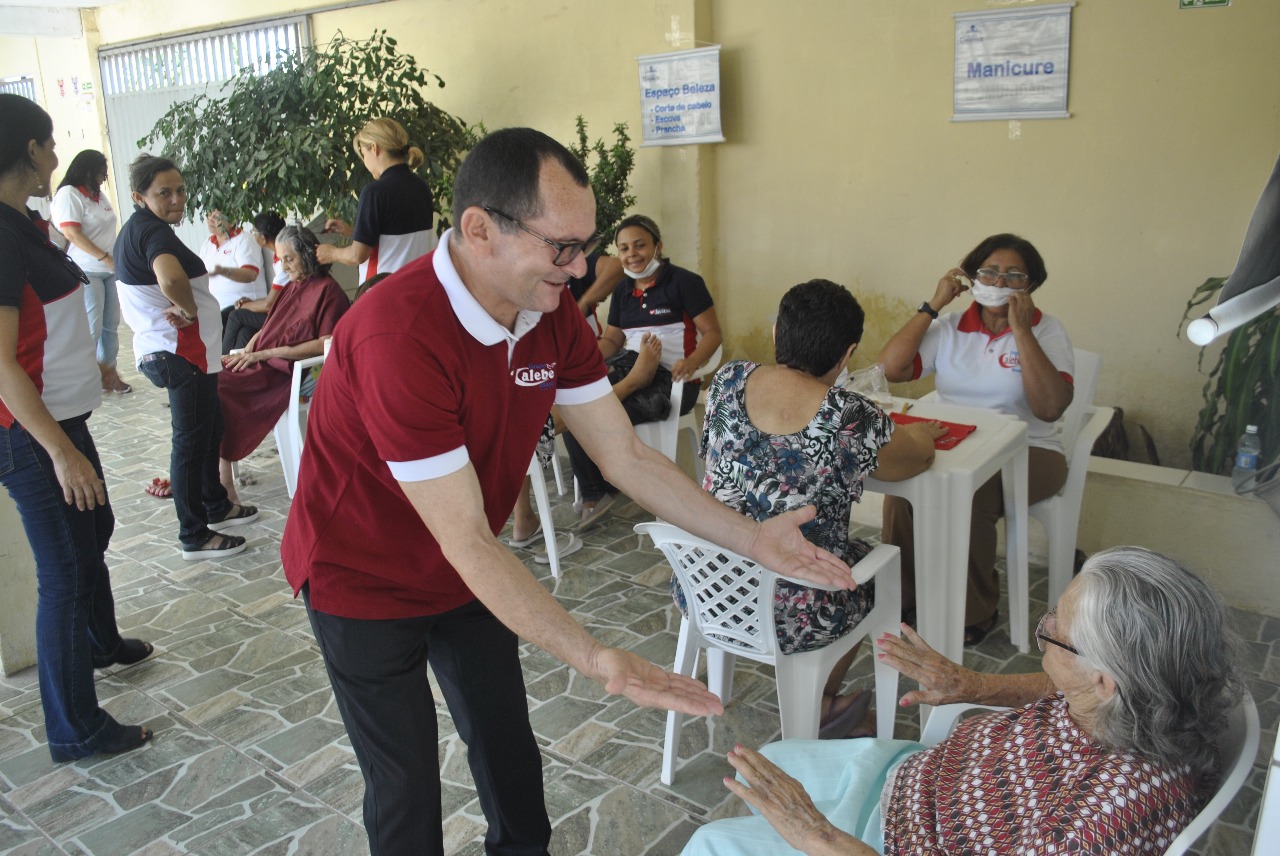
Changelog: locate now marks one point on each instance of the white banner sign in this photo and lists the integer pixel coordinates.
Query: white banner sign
(680, 97)
(1012, 64)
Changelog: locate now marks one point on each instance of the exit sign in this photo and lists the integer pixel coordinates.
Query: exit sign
(1200, 4)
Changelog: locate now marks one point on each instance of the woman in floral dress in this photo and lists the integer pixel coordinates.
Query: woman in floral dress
(780, 437)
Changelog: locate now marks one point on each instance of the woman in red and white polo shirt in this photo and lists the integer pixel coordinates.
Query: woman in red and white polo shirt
(83, 213)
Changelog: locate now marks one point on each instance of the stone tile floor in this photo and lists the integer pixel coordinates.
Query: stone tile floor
(250, 755)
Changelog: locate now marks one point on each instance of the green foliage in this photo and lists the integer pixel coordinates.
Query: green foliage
(1243, 388)
(609, 176)
(283, 139)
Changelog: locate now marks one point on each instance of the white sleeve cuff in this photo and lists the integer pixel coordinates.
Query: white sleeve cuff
(430, 468)
(584, 394)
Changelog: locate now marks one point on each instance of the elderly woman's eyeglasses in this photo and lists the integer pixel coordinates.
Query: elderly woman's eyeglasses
(1012, 279)
(1047, 629)
(565, 252)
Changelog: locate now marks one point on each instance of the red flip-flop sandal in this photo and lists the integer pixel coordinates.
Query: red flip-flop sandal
(160, 489)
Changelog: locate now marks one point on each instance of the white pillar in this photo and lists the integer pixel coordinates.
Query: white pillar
(18, 582)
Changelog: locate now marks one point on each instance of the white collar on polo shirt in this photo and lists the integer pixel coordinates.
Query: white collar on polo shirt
(479, 323)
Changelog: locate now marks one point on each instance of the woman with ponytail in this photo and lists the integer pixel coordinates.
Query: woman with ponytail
(394, 221)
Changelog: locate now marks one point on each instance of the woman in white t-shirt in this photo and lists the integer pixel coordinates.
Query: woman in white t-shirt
(83, 213)
(234, 262)
(1004, 354)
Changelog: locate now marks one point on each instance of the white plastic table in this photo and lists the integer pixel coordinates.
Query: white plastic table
(941, 498)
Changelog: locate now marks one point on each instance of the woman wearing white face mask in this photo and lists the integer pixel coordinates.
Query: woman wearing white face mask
(1001, 353)
(662, 327)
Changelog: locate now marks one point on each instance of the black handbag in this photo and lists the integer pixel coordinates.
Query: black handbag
(651, 404)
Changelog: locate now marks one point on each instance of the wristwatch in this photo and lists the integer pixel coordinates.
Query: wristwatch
(928, 310)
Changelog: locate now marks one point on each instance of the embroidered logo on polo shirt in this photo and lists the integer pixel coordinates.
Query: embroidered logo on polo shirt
(1011, 361)
(541, 375)
(661, 310)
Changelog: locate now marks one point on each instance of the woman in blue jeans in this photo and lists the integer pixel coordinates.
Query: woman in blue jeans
(49, 383)
(177, 341)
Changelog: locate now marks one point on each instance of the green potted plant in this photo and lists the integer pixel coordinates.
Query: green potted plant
(1243, 388)
(281, 139)
(610, 176)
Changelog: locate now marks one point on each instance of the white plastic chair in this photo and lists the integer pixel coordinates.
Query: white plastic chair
(1082, 424)
(1079, 428)
(731, 607)
(290, 428)
(1237, 746)
(664, 435)
(542, 500)
(1267, 839)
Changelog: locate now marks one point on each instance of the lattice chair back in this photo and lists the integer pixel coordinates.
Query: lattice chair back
(730, 598)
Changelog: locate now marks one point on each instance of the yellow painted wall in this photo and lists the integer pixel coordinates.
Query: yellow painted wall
(78, 119)
(841, 161)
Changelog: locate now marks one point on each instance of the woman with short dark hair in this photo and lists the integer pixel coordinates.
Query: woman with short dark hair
(1004, 354)
(248, 315)
(780, 437)
(177, 342)
(48, 462)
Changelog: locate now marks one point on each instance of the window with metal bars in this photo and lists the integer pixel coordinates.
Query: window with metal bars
(25, 86)
(195, 60)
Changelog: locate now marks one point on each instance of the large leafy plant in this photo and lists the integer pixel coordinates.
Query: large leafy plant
(610, 176)
(282, 138)
(1243, 388)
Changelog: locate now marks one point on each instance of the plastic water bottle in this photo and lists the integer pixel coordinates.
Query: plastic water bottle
(1248, 451)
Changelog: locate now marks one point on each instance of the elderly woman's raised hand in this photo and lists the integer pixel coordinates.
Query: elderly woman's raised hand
(941, 681)
(783, 802)
(953, 283)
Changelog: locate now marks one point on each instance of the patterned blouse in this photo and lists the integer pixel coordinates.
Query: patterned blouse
(1029, 781)
(762, 475)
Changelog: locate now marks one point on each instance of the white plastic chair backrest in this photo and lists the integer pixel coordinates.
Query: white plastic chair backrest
(297, 407)
(662, 435)
(1237, 746)
(730, 597)
(1088, 367)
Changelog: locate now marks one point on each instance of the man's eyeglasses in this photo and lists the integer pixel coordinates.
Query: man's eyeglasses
(1013, 279)
(1046, 629)
(565, 252)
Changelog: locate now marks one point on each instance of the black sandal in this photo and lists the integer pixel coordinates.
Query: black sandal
(126, 737)
(974, 634)
(128, 652)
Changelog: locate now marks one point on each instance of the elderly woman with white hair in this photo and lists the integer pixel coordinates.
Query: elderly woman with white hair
(255, 384)
(1112, 749)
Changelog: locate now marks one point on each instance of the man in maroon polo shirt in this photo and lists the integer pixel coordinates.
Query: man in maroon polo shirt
(429, 408)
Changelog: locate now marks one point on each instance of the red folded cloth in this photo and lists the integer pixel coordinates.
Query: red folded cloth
(955, 431)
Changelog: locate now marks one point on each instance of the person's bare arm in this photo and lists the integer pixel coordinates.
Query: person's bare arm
(899, 353)
(261, 304)
(608, 275)
(354, 253)
(73, 233)
(175, 285)
(944, 682)
(785, 803)
(80, 483)
(611, 341)
(909, 451)
(651, 479)
(1048, 392)
(247, 357)
(452, 508)
(236, 274)
(709, 330)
